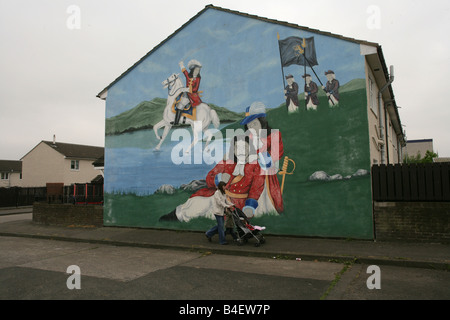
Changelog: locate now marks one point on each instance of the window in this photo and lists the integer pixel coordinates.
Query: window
(74, 165)
(372, 96)
(5, 176)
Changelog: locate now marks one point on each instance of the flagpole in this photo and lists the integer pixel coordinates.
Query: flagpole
(304, 77)
(313, 70)
(304, 70)
(282, 70)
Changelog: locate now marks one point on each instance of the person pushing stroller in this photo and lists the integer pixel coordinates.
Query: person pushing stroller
(219, 206)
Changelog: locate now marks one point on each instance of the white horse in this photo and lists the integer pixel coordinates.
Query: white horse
(204, 114)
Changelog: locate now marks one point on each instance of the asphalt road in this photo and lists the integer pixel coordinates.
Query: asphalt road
(38, 269)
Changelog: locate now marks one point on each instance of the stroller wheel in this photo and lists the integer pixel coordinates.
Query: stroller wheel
(239, 242)
(257, 244)
(262, 240)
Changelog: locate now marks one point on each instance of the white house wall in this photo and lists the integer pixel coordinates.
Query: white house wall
(44, 165)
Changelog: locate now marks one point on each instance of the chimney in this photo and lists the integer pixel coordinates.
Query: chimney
(54, 139)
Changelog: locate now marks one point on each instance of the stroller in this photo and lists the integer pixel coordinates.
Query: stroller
(245, 230)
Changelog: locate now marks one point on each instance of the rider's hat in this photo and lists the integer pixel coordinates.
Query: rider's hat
(256, 110)
(194, 63)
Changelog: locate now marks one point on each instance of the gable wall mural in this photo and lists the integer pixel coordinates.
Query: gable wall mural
(277, 113)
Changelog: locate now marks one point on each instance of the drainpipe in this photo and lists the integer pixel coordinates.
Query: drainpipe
(380, 118)
(400, 149)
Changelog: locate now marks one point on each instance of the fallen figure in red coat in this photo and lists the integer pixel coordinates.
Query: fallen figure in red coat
(247, 187)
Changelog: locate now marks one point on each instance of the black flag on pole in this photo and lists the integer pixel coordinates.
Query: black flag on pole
(293, 50)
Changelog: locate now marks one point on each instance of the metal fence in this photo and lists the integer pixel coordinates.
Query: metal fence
(84, 193)
(16, 196)
(411, 182)
(80, 193)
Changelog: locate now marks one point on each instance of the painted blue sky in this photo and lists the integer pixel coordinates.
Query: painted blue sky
(241, 63)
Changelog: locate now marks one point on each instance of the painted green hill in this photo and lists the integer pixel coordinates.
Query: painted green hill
(148, 113)
(144, 116)
(353, 85)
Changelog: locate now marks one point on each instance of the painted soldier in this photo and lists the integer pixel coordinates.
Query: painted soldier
(311, 90)
(244, 184)
(332, 88)
(191, 95)
(269, 146)
(291, 93)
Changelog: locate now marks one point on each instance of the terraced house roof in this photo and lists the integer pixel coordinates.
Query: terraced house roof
(10, 166)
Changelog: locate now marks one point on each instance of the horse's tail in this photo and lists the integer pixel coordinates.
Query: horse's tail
(215, 118)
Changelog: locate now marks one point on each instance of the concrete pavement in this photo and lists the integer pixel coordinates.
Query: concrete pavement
(15, 210)
(404, 254)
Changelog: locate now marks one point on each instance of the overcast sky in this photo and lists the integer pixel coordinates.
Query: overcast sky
(56, 56)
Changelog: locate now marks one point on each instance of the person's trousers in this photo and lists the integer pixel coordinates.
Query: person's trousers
(232, 232)
(218, 229)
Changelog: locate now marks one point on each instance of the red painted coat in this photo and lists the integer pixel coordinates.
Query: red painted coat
(239, 188)
(193, 84)
(274, 188)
